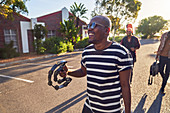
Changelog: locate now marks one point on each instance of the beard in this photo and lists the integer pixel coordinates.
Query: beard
(93, 41)
(129, 35)
(90, 41)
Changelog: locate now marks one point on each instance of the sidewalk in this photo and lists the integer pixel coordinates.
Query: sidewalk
(27, 58)
(19, 60)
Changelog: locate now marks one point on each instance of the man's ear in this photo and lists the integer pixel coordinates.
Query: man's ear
(108, 30)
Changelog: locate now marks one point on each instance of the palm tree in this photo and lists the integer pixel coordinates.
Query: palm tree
(69, 31)
(78, 11)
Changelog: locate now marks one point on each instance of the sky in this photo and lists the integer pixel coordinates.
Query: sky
(149, 8)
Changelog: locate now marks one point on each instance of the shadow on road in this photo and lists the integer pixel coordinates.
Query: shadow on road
(154, 108)
(67, 104)
(152, 55)
(156, 105)
(139, 108)
(58, 58)
(29, 68)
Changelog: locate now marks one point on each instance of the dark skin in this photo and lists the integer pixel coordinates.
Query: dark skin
(98, 36)
(129, 35)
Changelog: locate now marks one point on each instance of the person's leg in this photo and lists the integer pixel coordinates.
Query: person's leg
(167, 71)
(162, 65)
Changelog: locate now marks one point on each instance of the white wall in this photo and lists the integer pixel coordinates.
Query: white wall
(65, 14)
(84, 31)
(33, 22)
(24, 35)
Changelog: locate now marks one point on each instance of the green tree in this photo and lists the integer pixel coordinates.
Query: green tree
(166, 27)
(39, 32)
(7, 7)
(119, 10)
(151, 25)
(69, 30)
(121, 31)
(78, 12)
(115, 23)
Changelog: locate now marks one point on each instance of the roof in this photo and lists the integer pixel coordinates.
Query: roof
(41, 17)
(23, 17)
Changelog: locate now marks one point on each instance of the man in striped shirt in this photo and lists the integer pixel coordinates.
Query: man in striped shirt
(107, 66)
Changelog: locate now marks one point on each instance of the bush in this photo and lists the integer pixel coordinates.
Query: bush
(82, 44)
(39, 49)
(52, 45)
(110, 38)
(62, 47)
(42, 50)
(118, 38)
(57, 45)
(70, 47)
(8, 51)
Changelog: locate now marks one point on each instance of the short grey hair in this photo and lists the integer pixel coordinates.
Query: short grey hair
(106, 19)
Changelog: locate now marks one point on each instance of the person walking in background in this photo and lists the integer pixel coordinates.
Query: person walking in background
(131, 43)
(107, 66)
(163, 55)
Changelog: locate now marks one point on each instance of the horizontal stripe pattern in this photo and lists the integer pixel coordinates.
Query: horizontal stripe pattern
(111, 57)
(106, 84)
(99, 110)
(103, 83)
(102, 78)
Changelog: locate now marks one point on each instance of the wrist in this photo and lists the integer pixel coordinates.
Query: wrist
(158, 53)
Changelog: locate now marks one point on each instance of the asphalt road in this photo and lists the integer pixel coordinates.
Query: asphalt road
(24, 89)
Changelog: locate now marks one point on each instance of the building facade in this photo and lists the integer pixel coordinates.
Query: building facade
(20, 30)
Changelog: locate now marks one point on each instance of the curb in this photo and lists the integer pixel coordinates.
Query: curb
(37, 58)
(27, 60)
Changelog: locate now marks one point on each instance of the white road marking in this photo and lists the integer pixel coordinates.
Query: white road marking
(5, 76)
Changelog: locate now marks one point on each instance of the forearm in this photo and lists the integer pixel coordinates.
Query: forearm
(137, 45)
(126, 93)
(124, 81)
(159, 50)
(76, 73)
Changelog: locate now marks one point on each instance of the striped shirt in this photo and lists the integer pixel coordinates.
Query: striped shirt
(103, 83)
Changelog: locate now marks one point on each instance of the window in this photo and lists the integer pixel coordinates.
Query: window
(10, 35)
(51, 33)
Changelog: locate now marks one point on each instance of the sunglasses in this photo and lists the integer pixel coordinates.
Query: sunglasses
(93, 25)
